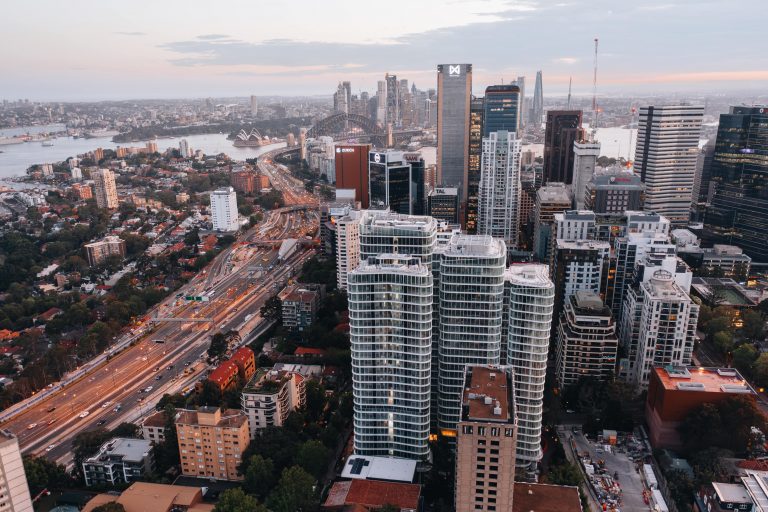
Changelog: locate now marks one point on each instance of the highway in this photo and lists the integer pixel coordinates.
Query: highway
(169, 357)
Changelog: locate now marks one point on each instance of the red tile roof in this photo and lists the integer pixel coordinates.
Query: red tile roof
(545, 498)
(309, 351)
(223, 373)
(373, 493)
(242, 355)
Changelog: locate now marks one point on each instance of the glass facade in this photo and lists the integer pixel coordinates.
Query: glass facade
(473, 170)
(396, 180)
(738, 211)
(563, 129)
(454, 85)
(502, 109)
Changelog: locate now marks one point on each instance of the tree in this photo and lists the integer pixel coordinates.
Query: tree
(259, 476)
(272, 309)
(723, 341)
(717, 324)
(753, 325)
(112, 506)
(313, 457)
(760, 370)
(218, 345)
(210, 394)
(564, 474)
(726, 424)
(743, 357)
(294, 493)
(235, 500)
(44, 474)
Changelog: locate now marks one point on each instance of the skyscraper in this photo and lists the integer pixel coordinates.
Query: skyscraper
(471, 296)
(738, 213)
(523, 112)
(665, 157)
(390, 320)
(381, 103)
(104, 188)
(443, 204)
(13, 480)
(254, 105)
(396, 181)
(224, 215)
(351, 161)
(502, 109)
(454, 88)
(563, 129)
(585, 154)
(614, 193)
(499, 198)
(537, 105)
(347, 247)
(393, 100)
(476, 111)
(529, 297)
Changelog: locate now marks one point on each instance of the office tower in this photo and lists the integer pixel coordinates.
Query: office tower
(529, 297)
(522, 106)
(98, 252)
(667, 329)
(537, 106)
(224, 214)
(499, 197)
(104, 188)
(390, 322)
(383, 232)
(585, 154)
(347, 86)
(381, 103)
(631, 249)
(738, 211)
(550, 199)
(443, 204)
(13, 480)
(562, 131)
(184, 150)
(614, 193)
(254, 106)
(454, 88)
(486, 438)
(579, 265)
(502, 109)
(396, 181)
(303, 143)
(347, 246)
(393, 100)
(351, 161)
(340, 103)
(665, 158)
(704, 163)
(476, 112)
(471, 296)
(586, 340)
(212, 442)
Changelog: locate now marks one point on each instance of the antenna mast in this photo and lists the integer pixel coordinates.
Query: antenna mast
(570, 82)
(594, 96)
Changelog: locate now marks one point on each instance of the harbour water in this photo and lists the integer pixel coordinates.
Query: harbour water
(15, 159)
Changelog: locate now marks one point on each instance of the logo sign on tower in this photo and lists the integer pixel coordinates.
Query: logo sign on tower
(454, 70)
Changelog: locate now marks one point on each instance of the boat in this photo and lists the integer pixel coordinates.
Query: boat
(47, 143)
(100, 133)
(7, 141)
(250, 140)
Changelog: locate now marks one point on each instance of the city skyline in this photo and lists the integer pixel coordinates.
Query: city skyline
(143, 53)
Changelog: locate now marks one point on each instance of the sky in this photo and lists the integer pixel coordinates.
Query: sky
(83, 50)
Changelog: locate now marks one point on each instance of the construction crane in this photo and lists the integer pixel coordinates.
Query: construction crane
(594, 95)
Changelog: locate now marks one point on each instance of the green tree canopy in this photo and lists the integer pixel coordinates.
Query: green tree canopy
(313, 457)
(259, 476)
(294, 493)
(235, 500)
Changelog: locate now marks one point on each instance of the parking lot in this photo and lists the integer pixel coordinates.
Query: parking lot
(617, 464)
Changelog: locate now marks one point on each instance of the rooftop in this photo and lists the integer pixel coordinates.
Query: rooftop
(545, 498)
(147, 497)
(379, 468)
(621, 179)
(223, 372)
(267, 381)
(528, 274)
(371, 493)
(589, 300)
(731, 493)
(554, 193)
(488, 394)
(242, 355)
(710, 380)
(756, 483)
(388, 219)
(232, 418)
(475, 245)
(131, 450)
(583, 244)
(156, 419)
(402, 263)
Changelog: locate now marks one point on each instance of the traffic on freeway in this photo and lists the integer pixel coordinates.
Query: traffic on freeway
(167, 353)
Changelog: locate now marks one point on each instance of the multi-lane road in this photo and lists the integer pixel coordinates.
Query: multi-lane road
(169, 356)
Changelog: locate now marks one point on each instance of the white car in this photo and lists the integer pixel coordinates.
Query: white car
(50, 447)
(84, 414)
(31, 426)
(148, 389)
(105, 405)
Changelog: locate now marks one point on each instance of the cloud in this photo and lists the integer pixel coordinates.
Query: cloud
(131, 33)
(212, 37)
(566, 60)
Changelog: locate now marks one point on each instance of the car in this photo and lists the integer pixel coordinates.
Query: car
(159, 377)
(570, 411)
(157, 369)
(187, 363)
(50, 447)
(117, 408)
(84, 414)
(101, 422)
(52, 421)
(169, 367)
(148, 389)
(106, 404)
(51, 409)
(141, 399)
(31, 426)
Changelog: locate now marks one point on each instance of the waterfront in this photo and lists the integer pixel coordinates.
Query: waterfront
(16, 158)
